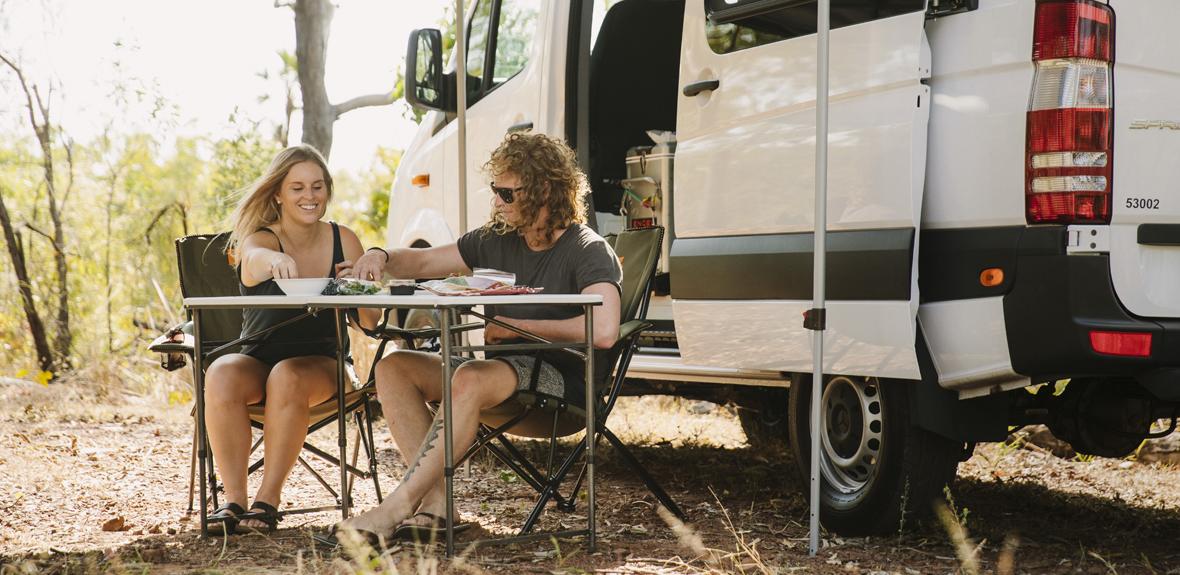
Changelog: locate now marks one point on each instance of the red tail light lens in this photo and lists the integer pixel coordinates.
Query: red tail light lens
(1072, 29)
(1069, 129)
(1129, 344)
(1069, 150)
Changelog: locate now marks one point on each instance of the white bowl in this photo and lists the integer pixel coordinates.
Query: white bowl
(302, 286)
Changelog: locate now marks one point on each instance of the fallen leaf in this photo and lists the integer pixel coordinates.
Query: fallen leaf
(114, 524)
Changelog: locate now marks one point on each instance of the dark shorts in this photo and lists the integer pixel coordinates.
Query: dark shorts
(551, 380)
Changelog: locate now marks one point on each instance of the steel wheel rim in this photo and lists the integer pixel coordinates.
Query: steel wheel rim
(853, 433)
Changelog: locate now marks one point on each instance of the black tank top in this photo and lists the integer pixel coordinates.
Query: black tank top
(312, 335)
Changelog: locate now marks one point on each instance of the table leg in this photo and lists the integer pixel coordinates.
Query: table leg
(448, 434)
(199, 392)
(342, 439)
(591, 424)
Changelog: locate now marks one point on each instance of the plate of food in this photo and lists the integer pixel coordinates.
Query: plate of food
(302, 286)
(484, 282)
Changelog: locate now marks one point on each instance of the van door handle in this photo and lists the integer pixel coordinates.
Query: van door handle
(521, 127)
(697, 87)
(1159, 234)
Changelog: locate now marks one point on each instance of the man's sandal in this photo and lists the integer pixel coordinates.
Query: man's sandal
(224, 521)
(435, 528)
(332, 538)
(264, 512)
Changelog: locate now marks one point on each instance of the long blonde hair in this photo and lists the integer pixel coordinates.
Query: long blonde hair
(256, 205)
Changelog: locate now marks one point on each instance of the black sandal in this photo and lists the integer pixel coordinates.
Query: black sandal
(264, 512)
(225, 519)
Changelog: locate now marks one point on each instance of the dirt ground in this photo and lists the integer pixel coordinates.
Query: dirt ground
(94, 478)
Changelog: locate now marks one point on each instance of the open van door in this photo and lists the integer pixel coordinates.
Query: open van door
(745, 184)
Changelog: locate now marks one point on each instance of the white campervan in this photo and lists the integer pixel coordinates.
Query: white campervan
(984, 235)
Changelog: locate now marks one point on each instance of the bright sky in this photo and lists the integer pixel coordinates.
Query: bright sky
(204, 58)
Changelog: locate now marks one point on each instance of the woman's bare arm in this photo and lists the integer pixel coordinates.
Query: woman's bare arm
(261, 259)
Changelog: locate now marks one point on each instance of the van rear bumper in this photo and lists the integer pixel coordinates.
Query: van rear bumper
(1056, 300)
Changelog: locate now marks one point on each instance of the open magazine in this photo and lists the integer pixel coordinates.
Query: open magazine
(484, 281)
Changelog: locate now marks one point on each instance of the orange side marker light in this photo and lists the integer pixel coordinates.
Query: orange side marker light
(991, 277)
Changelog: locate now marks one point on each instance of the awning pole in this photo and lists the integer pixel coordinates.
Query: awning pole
(461, 105)
(819, 269)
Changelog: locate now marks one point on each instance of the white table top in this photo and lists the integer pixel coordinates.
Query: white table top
(418, 300)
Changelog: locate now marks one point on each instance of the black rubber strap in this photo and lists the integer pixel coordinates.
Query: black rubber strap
(536, 374)
(270, 515)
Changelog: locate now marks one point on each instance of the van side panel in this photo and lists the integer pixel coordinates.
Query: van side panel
(745, 189)
(973, 207)
(745, 157)
(982, 72)
(863, 338)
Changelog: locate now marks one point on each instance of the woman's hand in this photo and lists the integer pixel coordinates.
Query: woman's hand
(282, 266)
(370, 266)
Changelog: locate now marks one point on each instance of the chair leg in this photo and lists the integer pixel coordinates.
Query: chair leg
(192, 473)
(212, 471)
(518, 462)
(356, 450)
(551, 485)
(318, 478)
(371, 449)
(648, 480)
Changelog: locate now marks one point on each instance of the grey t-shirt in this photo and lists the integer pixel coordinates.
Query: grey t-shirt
(580, 258)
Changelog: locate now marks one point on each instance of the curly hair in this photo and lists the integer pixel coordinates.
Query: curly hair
(549, 177)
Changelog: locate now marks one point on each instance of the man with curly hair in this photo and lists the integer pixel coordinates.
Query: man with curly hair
(538, 232)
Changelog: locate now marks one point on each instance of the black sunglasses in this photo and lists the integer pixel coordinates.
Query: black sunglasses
(505, 193)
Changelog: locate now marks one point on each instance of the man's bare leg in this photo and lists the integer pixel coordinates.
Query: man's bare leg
(475, 385)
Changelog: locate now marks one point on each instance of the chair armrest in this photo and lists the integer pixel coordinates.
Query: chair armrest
(633, 328)
(173, 345)
(178, 339)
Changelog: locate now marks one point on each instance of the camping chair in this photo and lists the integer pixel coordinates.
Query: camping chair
(205, 272)
(537, 415)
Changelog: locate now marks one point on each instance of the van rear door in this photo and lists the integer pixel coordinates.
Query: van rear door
(1145, 218)
(745, 183)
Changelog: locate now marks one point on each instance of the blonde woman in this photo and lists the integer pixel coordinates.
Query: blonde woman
(278, 231)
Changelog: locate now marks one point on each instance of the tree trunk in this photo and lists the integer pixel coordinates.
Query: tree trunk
(17, 254)
(106, 267)
(43, 129)
(64, 339)
(313, 20)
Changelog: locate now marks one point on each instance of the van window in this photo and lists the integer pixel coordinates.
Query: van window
(478, 34)
(733, 25)
(514, 38)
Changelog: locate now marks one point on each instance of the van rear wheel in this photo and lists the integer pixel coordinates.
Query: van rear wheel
(878, 472)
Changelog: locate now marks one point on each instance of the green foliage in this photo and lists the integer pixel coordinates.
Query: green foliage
(236, 163)
(132, 196)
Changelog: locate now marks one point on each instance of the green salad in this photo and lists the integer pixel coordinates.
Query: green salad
(350, 286)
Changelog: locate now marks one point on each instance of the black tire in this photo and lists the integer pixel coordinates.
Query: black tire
(879, 474)
(766, 421)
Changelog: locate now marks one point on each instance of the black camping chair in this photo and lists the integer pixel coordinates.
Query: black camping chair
(205, 271)
(537, 415)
